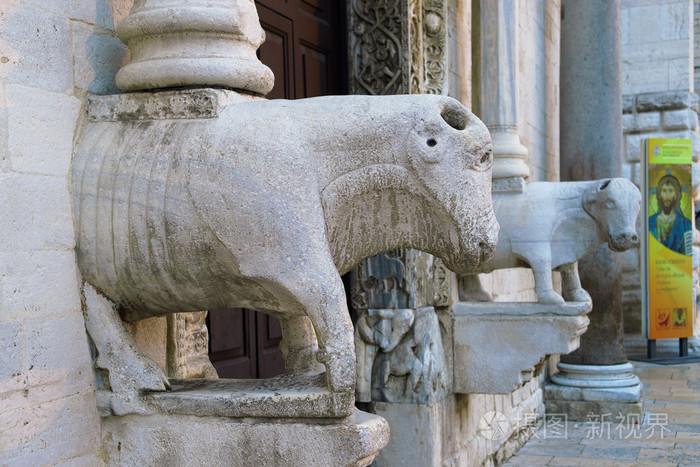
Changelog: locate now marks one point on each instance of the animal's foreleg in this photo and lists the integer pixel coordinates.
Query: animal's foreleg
(299, 346)
(323, 298)
(571, 284)
(471, 289)
(540, 260)
(129, 369)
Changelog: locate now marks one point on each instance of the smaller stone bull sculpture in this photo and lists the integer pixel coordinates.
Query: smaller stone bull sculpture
(550, 226)
(263, 207)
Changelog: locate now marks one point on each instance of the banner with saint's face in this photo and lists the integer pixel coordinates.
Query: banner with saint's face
(668, 247)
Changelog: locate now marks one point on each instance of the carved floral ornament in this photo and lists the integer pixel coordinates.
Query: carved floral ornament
(398, 46)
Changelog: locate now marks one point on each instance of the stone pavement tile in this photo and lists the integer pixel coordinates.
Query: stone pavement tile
(688, 446)
(571, 450)
(684, 457)
(528, 460)
(643, 442)
(611, 452)
(688, 437)
(586, 462)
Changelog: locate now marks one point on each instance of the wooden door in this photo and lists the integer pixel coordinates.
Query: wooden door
(305, 48)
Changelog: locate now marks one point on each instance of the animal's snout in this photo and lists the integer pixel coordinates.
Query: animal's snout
(488, 244)
(623, 241)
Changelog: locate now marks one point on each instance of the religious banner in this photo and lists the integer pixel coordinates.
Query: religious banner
(669, 235)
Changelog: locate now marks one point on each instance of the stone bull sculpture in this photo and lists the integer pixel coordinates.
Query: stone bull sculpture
(550, 226)
(268, 204)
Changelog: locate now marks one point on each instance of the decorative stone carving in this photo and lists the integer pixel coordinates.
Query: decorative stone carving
(402, 278)
(553, 225)
(495, 345)
(435, 45)
(379, 38)
(400, 356)
(398, 46)
(188, 346)
(223, 216)
(176, 43)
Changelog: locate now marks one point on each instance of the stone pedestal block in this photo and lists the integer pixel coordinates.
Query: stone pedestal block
(176, 43)
(203, 441)
(496, 345)
(592, 392)
(420, 445)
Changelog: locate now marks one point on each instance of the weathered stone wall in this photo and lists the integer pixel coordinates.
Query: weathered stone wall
(51, 54)
(657, 39)
(657, 84)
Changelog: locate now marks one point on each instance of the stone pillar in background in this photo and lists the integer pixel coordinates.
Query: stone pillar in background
(498, 105)
(596, 377)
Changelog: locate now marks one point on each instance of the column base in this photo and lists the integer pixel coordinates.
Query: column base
(583, 392)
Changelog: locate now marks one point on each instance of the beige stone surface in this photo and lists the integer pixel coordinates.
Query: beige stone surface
(496, 344)
(204, 441)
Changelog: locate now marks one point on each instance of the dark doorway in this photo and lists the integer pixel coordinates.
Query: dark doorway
(305, 48)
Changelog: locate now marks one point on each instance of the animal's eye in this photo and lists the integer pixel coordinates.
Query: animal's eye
(609, 204)
(432, 142)
(485, 159)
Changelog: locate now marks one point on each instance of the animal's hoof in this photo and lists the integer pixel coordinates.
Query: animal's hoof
(142, 374)
(577, 295)
(340, 371)
(479, 296)
(550, 297)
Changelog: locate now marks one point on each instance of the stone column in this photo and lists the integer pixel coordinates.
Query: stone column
(498, 106)
(194, 43)
(597, 376)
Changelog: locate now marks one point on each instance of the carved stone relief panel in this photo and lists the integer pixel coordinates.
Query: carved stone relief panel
(401, 278)
(397, 46)
(399, 356)
(188, 339)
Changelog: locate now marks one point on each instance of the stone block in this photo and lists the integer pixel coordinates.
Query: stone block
(681, 119)
(97, 56)
(61, 344)
(53, 432)
(675, 22)
(680, 72)
(38, 284)
(12, 345)
(41, 125)
(203, 441)
(417, 443)
(42, 44)
(668, 100)
(628, 104)
(526, 333)
(643, 26)
(633, 145)
(36, 213)
(639, 78)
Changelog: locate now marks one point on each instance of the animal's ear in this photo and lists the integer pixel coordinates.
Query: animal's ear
(591, 197)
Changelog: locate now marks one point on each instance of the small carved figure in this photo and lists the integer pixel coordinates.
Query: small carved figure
(267, 204)
(550, 226)
(401, 358)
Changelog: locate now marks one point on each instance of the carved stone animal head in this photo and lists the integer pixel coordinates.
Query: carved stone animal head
(424, 183)
(452, 156)
(615, 204)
